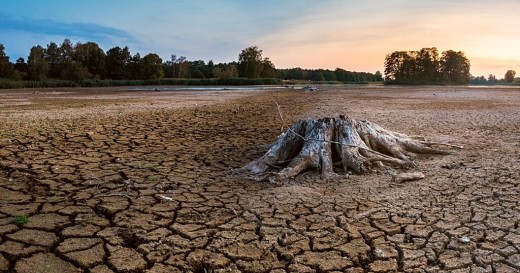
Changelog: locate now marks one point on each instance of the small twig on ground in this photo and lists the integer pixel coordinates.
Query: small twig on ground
(168, 198)
(407, 177)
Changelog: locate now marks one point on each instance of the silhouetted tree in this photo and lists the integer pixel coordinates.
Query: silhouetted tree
(510, 76)
(378, 77)
(492, 79)
(428, 64)
(454, 67)
(424, 66)
(397, 66)
(478, 80)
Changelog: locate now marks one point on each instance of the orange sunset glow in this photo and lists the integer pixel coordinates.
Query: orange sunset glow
(358, 38)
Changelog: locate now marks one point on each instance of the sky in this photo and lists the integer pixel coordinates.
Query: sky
(350, 34)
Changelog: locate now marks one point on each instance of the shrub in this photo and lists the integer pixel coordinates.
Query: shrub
(21, 220)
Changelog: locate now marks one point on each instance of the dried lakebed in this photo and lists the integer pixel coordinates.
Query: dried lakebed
(104, 180)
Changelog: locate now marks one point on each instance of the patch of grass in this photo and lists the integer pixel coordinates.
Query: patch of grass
(153, 178)
(150, 167)
(21, 220)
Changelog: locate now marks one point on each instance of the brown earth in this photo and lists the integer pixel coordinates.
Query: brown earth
(133, 181)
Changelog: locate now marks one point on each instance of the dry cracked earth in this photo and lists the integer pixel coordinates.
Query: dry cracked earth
(107, 180)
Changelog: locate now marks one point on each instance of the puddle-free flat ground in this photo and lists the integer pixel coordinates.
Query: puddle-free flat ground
(108, 180)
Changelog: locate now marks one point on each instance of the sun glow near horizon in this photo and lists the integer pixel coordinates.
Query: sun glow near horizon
(486, 36)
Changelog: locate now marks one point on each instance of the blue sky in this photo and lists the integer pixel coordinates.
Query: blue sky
(197, 29)
(354, 35)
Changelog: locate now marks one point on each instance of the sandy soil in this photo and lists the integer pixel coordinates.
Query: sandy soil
(134, 181)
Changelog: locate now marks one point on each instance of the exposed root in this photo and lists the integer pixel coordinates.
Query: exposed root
(355, 153)
(361, 146)
(286, 147)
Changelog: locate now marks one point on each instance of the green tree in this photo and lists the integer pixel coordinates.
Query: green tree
(76, 72)
(152, 66)
(53, 58)
(197, 68)
(92, 57)
(225, 71)
(250, 63)
(268, 69)
(318, 77)
(20, 71)
(208, 72)
(116, 63)
(5, 66)
(454, 67)
(510, 76)
(135, 67)
(182, 67)
(37, 66)
(66, 52)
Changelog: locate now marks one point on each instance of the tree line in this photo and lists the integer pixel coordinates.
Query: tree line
(427, 67)
(87, 61)
(337, 75)
(509, 77)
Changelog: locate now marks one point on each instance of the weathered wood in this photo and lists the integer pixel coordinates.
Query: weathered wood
(316, 151)
(394, 144)
(407, 177)
(286, 147)
(354, 152)
(361, 146)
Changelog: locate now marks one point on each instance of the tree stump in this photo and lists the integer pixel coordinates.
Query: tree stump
(358, 146)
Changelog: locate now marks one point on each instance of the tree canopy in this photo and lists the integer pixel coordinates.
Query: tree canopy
(5, 65)
(250, 63)
(510, 76)
(425, 67)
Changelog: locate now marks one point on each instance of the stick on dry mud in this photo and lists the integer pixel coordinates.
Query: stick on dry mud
(407, 177)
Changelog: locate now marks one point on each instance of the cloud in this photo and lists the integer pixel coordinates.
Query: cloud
(48, 27)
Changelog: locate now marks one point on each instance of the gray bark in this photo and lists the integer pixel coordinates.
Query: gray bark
(361, 146)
